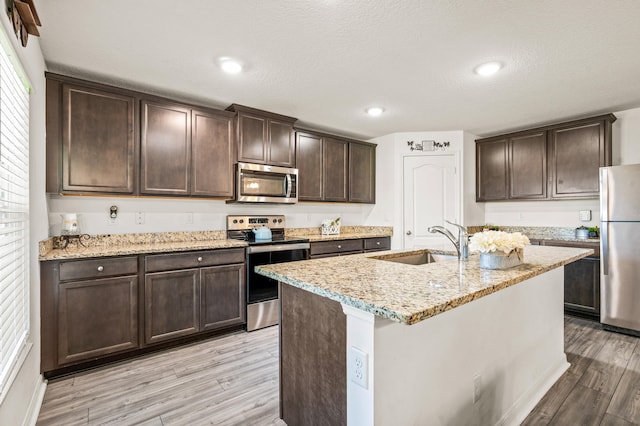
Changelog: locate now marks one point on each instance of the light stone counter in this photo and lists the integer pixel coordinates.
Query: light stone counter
(127, 244)
(412, 293)
(346, 233)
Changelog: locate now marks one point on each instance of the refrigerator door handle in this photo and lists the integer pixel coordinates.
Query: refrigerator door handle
(604, 194)
(604, 237)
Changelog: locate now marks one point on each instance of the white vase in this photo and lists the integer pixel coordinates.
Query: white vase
(501, 260)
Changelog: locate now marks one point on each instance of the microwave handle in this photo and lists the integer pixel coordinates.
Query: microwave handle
(288, 186)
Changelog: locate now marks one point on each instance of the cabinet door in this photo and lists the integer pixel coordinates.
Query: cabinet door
(211, 154)
(172, 306)
(222, 296)
(582, 286)
(97, 318)
(335, 170)
(362, 173)
(252, 138)
(491, 170)
(98, 140)
(528, 166)
(576, 154)
(309, 164)
(281, 144)
(165, 149)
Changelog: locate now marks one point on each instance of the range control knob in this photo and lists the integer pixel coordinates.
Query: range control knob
(279, 220)
(241, 220)
(235, 220)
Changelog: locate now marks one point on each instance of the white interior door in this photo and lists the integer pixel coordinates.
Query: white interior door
(431, 194)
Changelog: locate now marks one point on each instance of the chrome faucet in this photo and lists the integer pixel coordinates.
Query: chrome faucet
(461, 245)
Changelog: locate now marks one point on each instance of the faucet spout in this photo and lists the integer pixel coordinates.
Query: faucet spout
(461, 244)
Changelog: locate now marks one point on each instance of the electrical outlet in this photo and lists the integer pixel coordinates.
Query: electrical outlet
(139, 218)
(585, 215)
(358, 366)
(190, 218)
(477, 387)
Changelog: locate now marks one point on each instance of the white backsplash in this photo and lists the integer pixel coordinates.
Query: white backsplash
(174, 214)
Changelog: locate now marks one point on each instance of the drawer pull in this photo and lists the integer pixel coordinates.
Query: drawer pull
(339, 246)
(377, 243)
(100, 268)
(200, 259)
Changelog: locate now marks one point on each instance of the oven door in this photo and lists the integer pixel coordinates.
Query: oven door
(259, 183)
(262, 292)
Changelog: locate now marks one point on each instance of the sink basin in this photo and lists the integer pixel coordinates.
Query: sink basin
(417, 258)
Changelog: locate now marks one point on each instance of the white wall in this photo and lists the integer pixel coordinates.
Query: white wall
(172, 214)
(22, 402)
(626, 150)
(390, 157)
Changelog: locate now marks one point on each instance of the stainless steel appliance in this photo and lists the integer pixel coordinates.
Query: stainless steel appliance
(619, 238)
(262, 292)
(260, 183)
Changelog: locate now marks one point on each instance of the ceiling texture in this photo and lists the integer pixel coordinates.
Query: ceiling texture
(325, 61)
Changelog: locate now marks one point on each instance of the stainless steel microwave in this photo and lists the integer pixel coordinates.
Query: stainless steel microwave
(260, 183)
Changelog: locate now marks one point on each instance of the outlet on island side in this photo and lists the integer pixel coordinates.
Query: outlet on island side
(358, 367)
(139, 218)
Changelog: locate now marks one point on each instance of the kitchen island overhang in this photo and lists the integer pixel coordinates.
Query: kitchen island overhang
(430, 355)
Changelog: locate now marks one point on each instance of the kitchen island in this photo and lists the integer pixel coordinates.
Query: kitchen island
(368, 341)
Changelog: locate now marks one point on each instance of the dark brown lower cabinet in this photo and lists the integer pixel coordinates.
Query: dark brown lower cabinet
(222, 297)
(171, 305)
(344, 247)
(582, 287)
(97, 318)
(581, 280)
(100, 310)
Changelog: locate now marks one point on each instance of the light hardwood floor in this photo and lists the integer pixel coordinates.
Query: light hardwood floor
(233, 380)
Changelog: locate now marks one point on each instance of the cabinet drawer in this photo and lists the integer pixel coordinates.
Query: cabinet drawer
(337, 246)
(192, 259)
(98, 268)
(586, 245)
(378, 243)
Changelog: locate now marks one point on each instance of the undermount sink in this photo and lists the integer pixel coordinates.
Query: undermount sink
(417, 258)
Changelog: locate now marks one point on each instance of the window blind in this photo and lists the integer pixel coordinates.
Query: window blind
(14, 218)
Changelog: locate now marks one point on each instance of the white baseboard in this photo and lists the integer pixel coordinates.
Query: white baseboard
(31, 416)
(521, 409)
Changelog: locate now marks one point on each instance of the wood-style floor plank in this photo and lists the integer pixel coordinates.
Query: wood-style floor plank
(233, 380)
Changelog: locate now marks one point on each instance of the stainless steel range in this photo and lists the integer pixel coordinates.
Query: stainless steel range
(262, 292)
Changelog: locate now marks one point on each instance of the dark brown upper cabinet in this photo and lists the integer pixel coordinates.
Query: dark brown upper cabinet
(362, 173)
(309, 164)
(577, 151)
(335, 170)
(185, 151)
(165, 148)
(91, 138)
(331, 168)
(560, 161)
(264, 137)
(492, 178)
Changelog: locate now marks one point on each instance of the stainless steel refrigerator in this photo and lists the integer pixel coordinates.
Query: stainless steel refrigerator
(620, 247)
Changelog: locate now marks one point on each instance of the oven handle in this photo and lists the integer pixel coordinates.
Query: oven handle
(278, 247)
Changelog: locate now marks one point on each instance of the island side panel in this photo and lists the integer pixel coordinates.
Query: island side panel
(313, 387)
(510, 344)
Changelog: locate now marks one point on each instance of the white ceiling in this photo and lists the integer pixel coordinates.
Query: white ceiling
(325, 61)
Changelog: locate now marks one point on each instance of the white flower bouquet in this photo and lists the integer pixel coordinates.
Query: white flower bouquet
(499, 241)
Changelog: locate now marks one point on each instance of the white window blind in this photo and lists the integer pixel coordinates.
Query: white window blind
(14, 218)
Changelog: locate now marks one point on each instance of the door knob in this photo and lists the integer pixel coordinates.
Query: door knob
(408, 232)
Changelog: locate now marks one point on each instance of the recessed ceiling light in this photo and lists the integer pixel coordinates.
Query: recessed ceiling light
(374, 111)
(229, 65)
(489, 68)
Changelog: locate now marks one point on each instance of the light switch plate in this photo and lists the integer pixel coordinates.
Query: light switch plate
(585, 215)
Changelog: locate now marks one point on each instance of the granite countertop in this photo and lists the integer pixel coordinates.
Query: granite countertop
(164, 242)
(411, 293)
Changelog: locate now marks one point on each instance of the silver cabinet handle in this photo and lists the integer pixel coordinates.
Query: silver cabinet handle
(100, 268)
(377, 243)
(339, 246)
(200, 259)
(408, 232)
